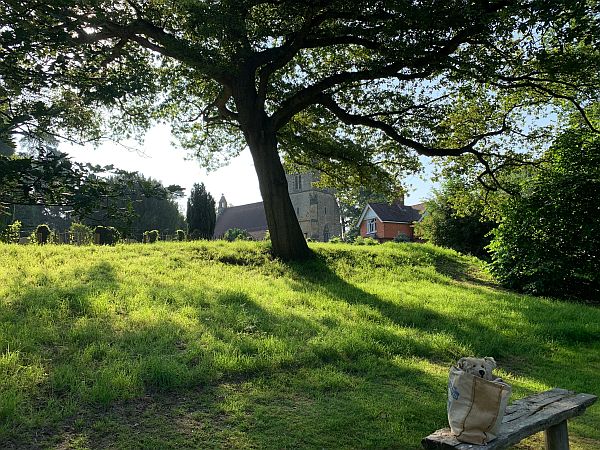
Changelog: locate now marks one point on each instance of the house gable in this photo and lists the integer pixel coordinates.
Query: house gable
(368, 213)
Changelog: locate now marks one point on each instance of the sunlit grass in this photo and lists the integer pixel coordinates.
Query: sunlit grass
(215, 344)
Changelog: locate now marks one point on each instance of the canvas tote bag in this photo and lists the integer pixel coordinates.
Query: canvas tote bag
(475, 406)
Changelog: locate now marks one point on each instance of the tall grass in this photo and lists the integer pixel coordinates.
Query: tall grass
(215, 344)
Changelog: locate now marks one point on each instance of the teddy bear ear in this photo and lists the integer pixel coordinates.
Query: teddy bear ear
(490, 359)
(460, 363)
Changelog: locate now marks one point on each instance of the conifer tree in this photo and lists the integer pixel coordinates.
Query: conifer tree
(200, 214)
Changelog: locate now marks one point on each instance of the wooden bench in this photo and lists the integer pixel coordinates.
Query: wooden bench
(547, 411)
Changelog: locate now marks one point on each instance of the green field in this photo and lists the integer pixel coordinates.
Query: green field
(212, 345)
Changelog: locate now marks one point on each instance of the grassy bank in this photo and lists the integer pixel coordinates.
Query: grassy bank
(215, 345)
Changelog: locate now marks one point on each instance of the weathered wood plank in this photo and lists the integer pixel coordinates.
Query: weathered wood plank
(523, 418)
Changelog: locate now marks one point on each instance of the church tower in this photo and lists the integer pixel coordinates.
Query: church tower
(317, 209)
(222, 205)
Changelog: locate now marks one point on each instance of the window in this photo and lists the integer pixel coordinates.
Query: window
(371, 226)
(297, 211)
(326, 210)
(298, 182)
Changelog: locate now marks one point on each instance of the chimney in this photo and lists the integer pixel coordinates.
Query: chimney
(399, 201)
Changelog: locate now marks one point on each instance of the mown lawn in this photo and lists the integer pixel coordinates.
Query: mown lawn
(214, 345)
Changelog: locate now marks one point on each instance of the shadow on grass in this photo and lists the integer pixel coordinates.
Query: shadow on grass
(227, 369)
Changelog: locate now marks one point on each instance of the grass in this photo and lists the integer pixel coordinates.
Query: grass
(212, 345)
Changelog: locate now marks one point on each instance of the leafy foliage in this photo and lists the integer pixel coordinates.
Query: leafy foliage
(49, 178)
(237, 234)
(106, 235)
(201, 215)
(150, 237)
(359, 240)
(401, 237)
(548, 242)
(355, 89)
(133, 204)
(12, 233)
(456, 219)
(80, 234)
(43, 234)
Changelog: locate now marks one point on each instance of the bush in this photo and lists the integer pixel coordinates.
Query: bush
(359, 240)
(401, 237)
(106, 235)
(335, 240)
(12, 233)
(80, 234)
(150, 237)
(43, 234)
(237, 234)
(180, 235)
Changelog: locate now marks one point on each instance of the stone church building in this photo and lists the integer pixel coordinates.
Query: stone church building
(317, 211)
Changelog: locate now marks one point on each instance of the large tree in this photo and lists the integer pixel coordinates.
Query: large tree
(355, 89)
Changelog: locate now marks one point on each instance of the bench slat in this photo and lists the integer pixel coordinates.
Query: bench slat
(523, 418)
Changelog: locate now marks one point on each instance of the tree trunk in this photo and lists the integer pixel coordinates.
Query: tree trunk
(287, 240)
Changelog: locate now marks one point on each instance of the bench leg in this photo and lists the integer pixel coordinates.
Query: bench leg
(557, 437)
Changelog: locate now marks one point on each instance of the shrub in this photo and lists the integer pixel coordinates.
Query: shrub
(42, 234)
(267, 236)
(106, 235)
(12, 233)
(359, 240)
(180, 235)
(370, 241)
(335, 240)
(237, 234)
(80, 234)
(401, 237)
(151, 237)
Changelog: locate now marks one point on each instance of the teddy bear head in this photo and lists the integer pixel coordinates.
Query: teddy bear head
(479, 367)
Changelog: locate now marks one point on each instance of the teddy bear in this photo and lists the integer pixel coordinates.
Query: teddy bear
(479, 367)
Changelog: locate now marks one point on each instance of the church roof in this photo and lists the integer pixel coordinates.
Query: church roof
(246, 217)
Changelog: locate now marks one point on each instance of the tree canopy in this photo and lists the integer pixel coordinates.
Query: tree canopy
(355, 89)
(548, 242)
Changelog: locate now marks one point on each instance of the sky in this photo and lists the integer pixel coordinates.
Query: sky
(159, 159)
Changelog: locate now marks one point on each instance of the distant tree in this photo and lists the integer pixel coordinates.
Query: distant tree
(134, 204)
(201, 215)
(548, 242)
(464, 229)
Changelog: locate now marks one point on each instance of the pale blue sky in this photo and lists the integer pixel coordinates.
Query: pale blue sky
(162, 161)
